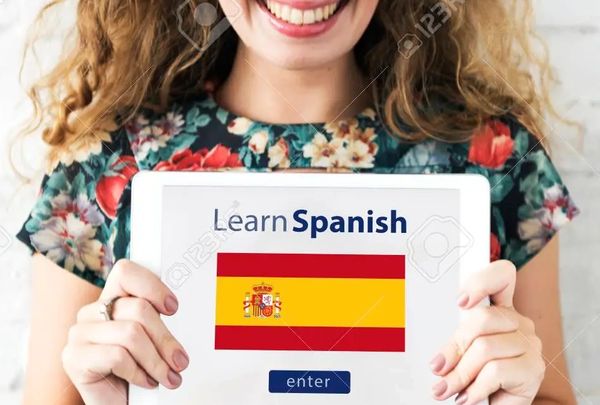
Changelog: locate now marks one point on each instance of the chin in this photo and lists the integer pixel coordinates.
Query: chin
(300, 59)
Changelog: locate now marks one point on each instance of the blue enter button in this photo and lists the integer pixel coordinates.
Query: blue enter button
(309, 382)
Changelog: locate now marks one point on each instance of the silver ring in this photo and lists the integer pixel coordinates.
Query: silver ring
(107, 308)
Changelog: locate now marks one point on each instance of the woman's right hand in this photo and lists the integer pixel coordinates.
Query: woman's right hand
(135, 347)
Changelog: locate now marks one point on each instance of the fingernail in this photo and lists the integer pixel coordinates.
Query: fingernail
(174, 378)
(151, 381)
(180, 359)
(463, 300)
(461, 399)
(437, 363)
(171, 304)
(440, 388)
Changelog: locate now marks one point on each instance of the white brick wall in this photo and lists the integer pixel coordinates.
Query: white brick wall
(572, 30)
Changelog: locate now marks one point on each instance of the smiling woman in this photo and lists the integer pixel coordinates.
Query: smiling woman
(411, 86)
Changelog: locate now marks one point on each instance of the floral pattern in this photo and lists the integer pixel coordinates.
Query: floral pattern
(81, 219)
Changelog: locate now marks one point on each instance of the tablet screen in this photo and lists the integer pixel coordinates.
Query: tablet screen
(310, 295)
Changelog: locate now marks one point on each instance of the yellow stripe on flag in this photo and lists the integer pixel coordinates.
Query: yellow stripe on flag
(332, 302)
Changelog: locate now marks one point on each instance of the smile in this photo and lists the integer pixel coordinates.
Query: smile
(301, 16)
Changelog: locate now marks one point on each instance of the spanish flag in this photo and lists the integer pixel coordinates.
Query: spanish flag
(321, 302)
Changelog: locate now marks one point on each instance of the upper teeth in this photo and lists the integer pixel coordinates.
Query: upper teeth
(300, 17)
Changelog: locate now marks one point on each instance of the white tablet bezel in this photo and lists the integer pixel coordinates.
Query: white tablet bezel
(146, 210)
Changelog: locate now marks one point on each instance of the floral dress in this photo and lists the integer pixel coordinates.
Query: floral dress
(81, 220)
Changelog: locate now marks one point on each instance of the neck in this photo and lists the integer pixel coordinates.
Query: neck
(264, 92)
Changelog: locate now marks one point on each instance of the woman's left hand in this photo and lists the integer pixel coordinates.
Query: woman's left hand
(495, 352)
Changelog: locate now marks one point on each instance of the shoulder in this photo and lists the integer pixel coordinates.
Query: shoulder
(530, 201)
(502, 142)
(155, 137)
(74, 220)
(513, 159)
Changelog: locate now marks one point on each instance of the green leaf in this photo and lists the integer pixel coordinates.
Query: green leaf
(517, 253)
(91, 190)
(33, 225)
(57, 181)
(521, 145)
(479, 170)
(500, 228)
(222, 115)
(192, 114)
(501, 186)
(202, 121)
(526, 212)
(78, 185)
(530, 182)
(247, 159)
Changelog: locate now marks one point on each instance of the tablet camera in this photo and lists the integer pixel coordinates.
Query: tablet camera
(437, 246)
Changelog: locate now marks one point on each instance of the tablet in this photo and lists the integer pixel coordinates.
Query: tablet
(309, 288)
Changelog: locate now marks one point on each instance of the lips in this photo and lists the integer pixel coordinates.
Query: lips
(302, 18)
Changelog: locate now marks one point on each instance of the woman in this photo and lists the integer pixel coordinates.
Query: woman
(410, 86)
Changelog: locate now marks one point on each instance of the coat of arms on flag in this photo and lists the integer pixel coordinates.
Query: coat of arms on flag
(262, 303)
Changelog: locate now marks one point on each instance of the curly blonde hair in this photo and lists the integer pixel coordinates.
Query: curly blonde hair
(469, 61)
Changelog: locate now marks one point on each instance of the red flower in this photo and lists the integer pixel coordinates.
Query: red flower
(495, 248)
(492, 145)
(110, 186)
(217, 158)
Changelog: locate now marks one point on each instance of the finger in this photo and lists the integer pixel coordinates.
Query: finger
(133, 337)
(130, 279)
(496, 281)
(89, 363)
(506, 375)
(140, 310)
(91, 313)
(483, 350)
(477, 322)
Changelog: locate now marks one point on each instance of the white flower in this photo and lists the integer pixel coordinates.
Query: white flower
(148, 141)
(258, 142)
(554, 193)
(239, 126)
(343, 128)
(359, 155)
(369, 113)
(546, 221)
(320, 151)
(138, 124)
(340, 152)
(150, 138)
(279, 155)
(63, 204)
(71, 240)
(170, 125)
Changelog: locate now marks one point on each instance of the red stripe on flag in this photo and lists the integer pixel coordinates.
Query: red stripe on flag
(309, 338)
(310, 265)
